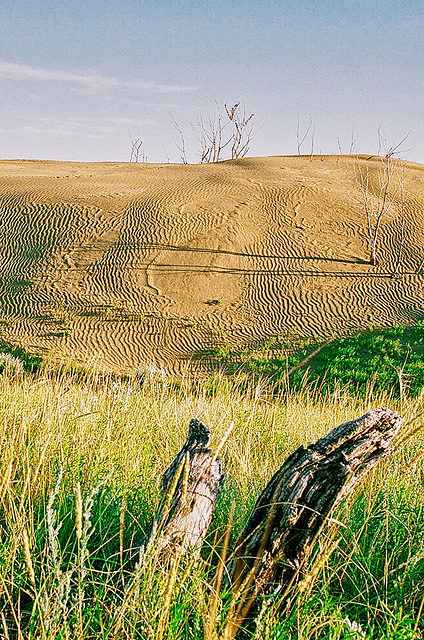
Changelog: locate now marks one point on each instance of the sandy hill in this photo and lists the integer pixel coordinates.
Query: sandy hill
(129, 264)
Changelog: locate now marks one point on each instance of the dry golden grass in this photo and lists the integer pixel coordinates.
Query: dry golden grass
(80, 467)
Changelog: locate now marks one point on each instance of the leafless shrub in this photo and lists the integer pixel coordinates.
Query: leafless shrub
(402, 217)
(377, 196)
(352, 146)
(309, 132)
(396, 149)
(137, 151)
(180, 142)
(210, 131)
(229, 128)
(242, 129)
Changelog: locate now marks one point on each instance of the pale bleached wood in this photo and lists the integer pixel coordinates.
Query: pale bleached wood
(278, 537)
(187, 504)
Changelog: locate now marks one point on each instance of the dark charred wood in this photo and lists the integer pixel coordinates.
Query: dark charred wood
(279, 535)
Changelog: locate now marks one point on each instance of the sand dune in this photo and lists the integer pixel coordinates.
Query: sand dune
(129, 264)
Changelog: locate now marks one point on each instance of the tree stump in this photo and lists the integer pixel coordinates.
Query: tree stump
(190, 488)
(278, 537)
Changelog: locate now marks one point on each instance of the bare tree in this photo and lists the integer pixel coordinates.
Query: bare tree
(180, 142)
(385, 191)
(352, 146)
(402, 217)
(377, 196)
(396, 149)
(353, 140)
(242, 130)
(137, 151)
(219, 131)
(210, 131)
(300, 139)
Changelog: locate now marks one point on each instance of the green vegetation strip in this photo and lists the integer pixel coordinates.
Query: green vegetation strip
(17, 358)
(389, 360)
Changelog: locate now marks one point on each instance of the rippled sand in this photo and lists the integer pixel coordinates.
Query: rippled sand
(134, 264)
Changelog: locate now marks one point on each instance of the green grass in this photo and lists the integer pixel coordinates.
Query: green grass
(388, 360)
(30, 362)
(114, 440)
(392, 360)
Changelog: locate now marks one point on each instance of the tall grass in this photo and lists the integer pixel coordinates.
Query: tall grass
(81, 462)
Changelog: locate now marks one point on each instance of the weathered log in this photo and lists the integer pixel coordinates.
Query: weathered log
(190, 488)
(279, 535)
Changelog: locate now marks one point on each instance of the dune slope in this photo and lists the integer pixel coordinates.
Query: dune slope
(134, 264)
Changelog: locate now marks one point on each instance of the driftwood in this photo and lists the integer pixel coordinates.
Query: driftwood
(278, 537)
(190, 488)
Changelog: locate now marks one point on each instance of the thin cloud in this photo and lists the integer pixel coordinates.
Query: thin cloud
(12, 71)
(131, 121)
(83, 127)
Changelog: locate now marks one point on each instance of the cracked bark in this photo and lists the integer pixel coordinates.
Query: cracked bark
(278, 537)
(190, 488)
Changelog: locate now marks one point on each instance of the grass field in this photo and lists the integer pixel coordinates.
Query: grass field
(81, 463)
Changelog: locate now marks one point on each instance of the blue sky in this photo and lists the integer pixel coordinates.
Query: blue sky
(80, 78)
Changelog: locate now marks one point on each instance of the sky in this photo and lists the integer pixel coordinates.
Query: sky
(81, 80)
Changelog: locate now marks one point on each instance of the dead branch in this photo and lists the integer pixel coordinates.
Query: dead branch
(210, 133)
(301, 139)
(181, 145)
(216, 133)
(376, 199)
(137, 151)
(242, 126)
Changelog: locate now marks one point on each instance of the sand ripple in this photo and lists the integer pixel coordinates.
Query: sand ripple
(127, 265)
